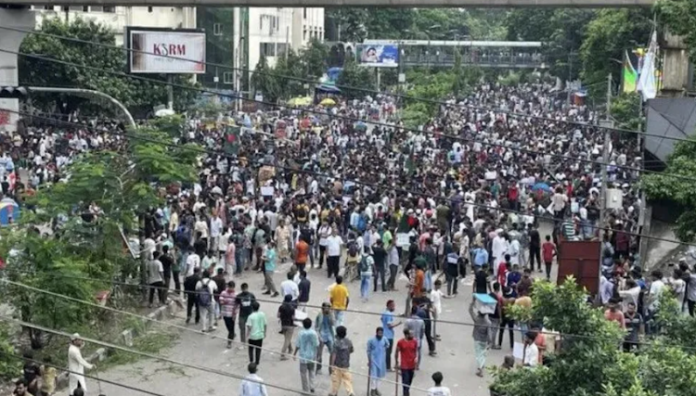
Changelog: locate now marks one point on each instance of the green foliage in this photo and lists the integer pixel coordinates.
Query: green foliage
(660, 186)
(626, 110)
(173, 125)
(357, 77)
(562, 31)
(679, 16)
(10, 368)
(262, 81)
(132, 93)
(609, 35)
(357, 24)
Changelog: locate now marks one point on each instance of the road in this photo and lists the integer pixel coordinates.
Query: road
(455, 357)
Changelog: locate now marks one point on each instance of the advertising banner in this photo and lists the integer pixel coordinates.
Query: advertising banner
(163, 47)
(378, 55)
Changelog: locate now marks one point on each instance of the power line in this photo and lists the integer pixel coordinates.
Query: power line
(353, 119)
(375, 186)
(149, 355)
(377, 92)
(92, 377)
(184, 328)
(562, 335)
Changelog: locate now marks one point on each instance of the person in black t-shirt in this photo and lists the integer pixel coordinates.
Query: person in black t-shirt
(286, 314)
(168, 267)
(481, 280)
(244, 302)
(304, 287)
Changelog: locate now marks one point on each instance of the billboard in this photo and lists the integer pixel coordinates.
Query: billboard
(161, 47)
(378, 55)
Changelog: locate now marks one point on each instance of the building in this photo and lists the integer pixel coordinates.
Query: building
(117, 18)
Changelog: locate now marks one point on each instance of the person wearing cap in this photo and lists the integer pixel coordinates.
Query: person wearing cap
(77, 364)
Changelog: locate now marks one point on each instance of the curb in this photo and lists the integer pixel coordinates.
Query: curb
(126, 338)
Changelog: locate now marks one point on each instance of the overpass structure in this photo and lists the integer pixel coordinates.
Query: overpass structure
(351, 3)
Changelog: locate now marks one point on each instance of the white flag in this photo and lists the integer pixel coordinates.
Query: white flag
(647, 84)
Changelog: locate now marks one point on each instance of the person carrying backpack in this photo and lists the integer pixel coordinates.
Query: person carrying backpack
(205, 289)
(366, 268)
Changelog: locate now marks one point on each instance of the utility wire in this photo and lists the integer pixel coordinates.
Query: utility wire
(149, 355)
(92, 377)
(353, 119)
(179, 327)
(376, 92)
(22, 285)
(374, 186)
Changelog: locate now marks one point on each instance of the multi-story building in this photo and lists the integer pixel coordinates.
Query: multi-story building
(117, 18)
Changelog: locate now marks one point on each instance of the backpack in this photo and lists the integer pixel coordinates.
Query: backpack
(364, 267)
(182, 238)
(204, 296)
(362, 223)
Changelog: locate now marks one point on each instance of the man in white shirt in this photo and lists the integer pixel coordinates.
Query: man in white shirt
(215, 231)
(531, 351)
(193, 261)
(76, 364)
(333, 251)
(207, 307)
(289, 288)
(499, 248)
(252, 385)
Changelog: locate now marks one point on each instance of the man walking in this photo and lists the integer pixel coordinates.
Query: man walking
(324, 324)
(379, 255)
(286, 315)
(77, 364)
(407, 353)
(307, 344)
(244, 302)
(252, 385)
(333, 250)
(339, 300)
(340, 361)
(205, 289)
(228, 307)
(155, 278)
(190, 284)
(377, 357)
(304, 287)
(480, 333)
(256, 328)
(389, 324)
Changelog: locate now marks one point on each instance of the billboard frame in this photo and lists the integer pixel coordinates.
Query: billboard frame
(360, 47)
(129, 47)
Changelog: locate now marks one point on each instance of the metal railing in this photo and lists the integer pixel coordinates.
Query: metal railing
(520, 60)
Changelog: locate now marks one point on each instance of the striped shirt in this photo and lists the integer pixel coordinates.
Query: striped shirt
(228, 307)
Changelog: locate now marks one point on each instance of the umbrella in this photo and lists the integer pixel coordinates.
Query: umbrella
(360, 125)
(328, 102)
(541, 186)
(8, 209)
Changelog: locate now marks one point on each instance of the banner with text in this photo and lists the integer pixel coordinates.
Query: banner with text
(166, 51)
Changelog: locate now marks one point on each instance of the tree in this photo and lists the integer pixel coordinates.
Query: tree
(125, 185)
(609, 35)
(357, 77)
(132, 93)
(458, 85)
(662, 186)
(315, 56)
(626, 110)
(560, 30)
(680, 18)
(263, 81)
(590, 357)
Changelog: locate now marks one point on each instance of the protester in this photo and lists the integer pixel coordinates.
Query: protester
(77, 364)
(307, 344)
(340, 361)
(377, 348)
(406, 360)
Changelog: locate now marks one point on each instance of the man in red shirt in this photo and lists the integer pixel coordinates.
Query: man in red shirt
(407, 349)
(548, 250)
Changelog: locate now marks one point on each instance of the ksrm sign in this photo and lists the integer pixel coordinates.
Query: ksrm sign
(167, 51)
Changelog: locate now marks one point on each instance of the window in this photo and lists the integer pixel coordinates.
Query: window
(149, 9)
(304, 13)
(49, 8)
(110, 9)
(228, 78)
(282, 49)
(261, 22)
(267, 49)
(79, 8)
(217, 29)
(304, 33)
(96, 9)
(274, 23)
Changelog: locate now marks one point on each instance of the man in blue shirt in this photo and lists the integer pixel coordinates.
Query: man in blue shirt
(480, 257)
(388, 324)
(307, 344)
(324, 325)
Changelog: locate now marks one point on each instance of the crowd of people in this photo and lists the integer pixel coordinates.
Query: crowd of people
(376, 203)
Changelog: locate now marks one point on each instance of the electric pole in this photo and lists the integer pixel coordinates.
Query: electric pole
(607, 124)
